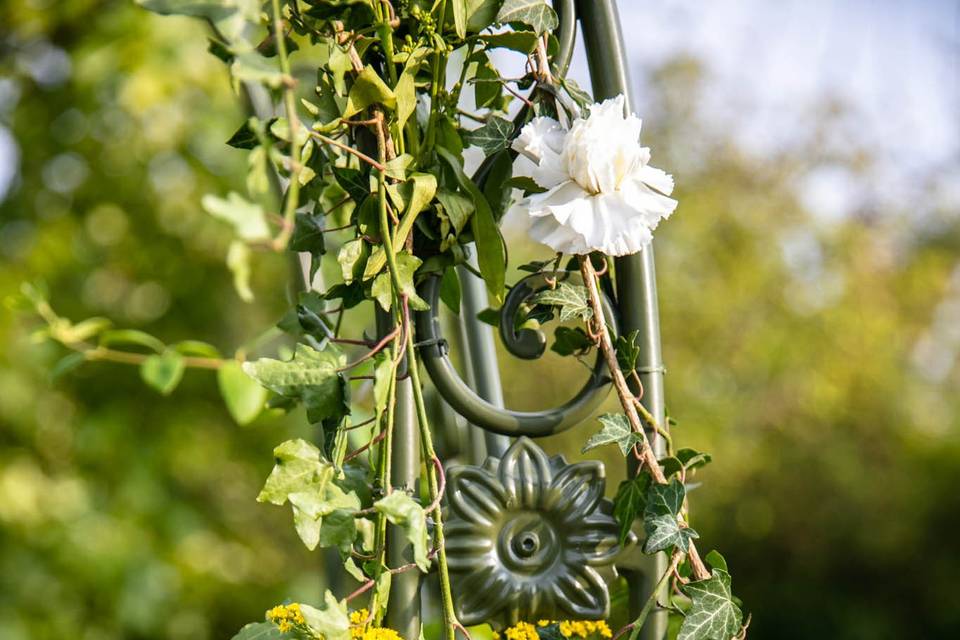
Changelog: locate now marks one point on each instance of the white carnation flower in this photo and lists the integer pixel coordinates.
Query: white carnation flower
(601, 195)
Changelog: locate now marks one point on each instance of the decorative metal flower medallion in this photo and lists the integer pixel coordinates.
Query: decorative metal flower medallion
(528, 537)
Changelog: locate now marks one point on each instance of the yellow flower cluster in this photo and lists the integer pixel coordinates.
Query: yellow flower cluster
(582, 629)
(358, 630)
(286, 616)
(521, 631)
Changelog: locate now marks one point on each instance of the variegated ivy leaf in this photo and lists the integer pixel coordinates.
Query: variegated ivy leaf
(616, 430)
(571, 299)
(660, 522)
(492, 136)
(665, 532)
(713, 615)
(312, 377)
(537, 13)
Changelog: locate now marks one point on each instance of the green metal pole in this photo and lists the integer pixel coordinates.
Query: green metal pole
(480, 353)
(635, 275)
(403, 614)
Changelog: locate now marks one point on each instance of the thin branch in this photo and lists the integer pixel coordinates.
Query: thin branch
(336, 143)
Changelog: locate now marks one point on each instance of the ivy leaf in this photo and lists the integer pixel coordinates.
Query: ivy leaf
(354, 182)
(369, 89)
(491, 255)
(301, 476)
(311, 377)
(297, 468)
(163, 372)
(329, 621)
(493, 136)
(535, 13)
(243, 396)
(693, 459)
(568, 341)
(572, 300)
(628, 351)
(352, 258)
(665, 532)
(248, 219)
(259, 631)
(665, 499)
(581, 97)
(660, 523)
(630, 502)
(308, 235)
(404, 512)
(407, 265)
(616, 430)
(713, 615)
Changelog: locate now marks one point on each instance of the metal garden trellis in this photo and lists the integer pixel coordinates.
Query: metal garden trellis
(528, 543)
(531, 576)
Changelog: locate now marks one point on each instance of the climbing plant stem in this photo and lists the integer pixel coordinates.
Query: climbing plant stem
(628, 400)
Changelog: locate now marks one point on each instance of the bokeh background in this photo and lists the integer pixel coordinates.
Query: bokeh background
(810, 300)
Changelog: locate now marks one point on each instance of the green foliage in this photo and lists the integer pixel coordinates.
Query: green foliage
(401, 510)
(629, 503)
(322, 510)
(330, 620)
(493, 136)
(243, 395)
(536, 13)
(616, 430)
(569, 341)
(163, 371)
(570, 299)
(311, 377)
(713, 615)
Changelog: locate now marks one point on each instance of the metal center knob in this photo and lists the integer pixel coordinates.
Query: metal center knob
(526, 544)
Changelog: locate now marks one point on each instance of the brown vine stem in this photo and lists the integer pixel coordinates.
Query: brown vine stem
(336, 143)
(628, 401)
(129, 357)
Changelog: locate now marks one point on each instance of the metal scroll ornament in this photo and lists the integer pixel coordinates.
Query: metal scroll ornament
(529, 537)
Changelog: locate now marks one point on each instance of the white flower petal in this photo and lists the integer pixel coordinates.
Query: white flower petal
(538, 136)
(656, 178)
(655, 206)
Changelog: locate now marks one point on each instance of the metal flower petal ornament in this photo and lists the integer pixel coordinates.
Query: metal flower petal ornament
(528, 537)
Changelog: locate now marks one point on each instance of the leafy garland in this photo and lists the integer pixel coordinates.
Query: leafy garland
(374, 158)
